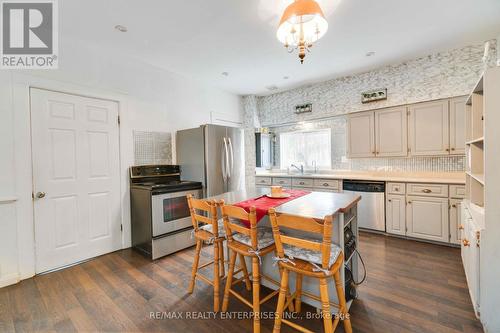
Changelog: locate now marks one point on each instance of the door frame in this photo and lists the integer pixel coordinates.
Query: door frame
(23, 161)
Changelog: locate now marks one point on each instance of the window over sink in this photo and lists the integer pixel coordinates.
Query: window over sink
(312, 148)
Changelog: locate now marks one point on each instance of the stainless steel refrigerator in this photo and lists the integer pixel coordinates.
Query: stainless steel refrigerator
(213, 155)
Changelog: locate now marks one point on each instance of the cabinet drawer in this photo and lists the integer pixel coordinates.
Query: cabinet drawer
(263, 180)
(428, 190)
(302, 182)
(327, 183)
(396, 188)
(457, 191)
(282, 181)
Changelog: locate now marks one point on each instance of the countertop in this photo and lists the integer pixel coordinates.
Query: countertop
(455, 178)
(315, 205)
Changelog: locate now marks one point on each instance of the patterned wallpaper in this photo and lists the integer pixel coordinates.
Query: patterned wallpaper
(440, 75)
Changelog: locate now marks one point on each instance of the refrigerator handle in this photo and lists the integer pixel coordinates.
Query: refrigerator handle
(231, 168)
(225, 162)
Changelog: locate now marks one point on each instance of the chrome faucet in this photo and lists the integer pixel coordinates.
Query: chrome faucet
(301, 169)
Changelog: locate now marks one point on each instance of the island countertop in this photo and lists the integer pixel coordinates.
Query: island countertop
(315, 205)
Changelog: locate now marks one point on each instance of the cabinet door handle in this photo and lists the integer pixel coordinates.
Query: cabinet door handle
(460, 227)
(409, 202)
(389, 200)
(447, 149)
(465, 242)
(396, 189)
(452, 149)
(301, 183)
(426, 190)
(454, 206)
(326, 184)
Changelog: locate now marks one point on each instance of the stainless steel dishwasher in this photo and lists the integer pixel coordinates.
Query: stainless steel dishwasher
(371, 208)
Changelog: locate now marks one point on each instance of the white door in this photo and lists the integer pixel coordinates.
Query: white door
(395, 214)
(429, 128)
(76, 185)
(427, 218)
(391, 132)
(360, 135)
(457, 125)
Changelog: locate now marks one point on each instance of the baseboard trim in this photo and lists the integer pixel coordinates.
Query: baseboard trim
(9, 279)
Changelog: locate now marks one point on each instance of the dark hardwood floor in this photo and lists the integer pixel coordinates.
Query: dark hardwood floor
(411, 287)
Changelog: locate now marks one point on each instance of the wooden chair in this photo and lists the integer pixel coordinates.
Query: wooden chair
(312, 258)
(250, 242)
(208, 229)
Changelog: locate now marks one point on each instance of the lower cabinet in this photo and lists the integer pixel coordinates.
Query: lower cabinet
(455, 220)
(427, 218)
(395, 214)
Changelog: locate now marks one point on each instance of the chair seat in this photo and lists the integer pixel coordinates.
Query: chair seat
(210, 229)
(310, 255)
(264, 237)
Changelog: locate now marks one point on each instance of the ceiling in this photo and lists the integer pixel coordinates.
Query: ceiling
(202, 39)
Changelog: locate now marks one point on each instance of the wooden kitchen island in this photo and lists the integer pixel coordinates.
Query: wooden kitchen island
(315, 205)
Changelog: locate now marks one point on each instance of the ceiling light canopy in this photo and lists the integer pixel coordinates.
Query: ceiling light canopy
(301, 25)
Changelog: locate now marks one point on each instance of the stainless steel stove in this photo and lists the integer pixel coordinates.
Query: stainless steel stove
(161, 223)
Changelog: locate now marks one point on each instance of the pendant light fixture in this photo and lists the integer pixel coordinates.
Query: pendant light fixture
(301, 25)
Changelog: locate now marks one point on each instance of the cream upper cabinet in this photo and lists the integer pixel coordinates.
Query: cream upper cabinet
(427, 218)
(360, 135)
(395, 214)
(429, 128)
(391, 138)
(457, 125)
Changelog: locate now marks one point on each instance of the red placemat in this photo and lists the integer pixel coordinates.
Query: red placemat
(263, 203)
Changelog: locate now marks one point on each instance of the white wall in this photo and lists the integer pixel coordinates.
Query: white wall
(150, 98)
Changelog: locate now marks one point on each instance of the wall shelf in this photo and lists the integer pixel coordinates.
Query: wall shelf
(475, 141)
(477, 177)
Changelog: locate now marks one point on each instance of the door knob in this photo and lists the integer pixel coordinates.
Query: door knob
(40, 195)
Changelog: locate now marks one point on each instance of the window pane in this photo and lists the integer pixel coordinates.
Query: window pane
(307, 148)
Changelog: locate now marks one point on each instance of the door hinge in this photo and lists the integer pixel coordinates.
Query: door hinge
(409, 149)
(408, 112)
(121, 227)
(119, 120)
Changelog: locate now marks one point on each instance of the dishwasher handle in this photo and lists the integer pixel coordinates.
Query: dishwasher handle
(363, 186)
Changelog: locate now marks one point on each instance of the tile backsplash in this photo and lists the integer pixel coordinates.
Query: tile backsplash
(440, 75)
(152, 148)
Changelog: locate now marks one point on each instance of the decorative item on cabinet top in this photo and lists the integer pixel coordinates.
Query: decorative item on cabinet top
(304, 108)
(374, 95)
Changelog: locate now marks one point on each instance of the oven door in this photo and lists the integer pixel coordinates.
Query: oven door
(171, 211)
